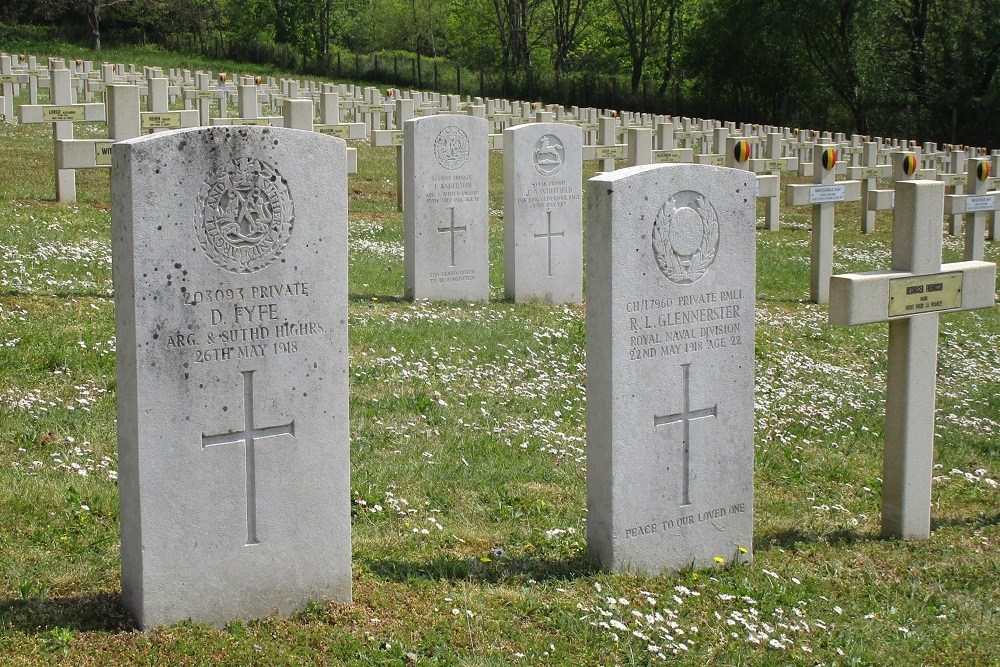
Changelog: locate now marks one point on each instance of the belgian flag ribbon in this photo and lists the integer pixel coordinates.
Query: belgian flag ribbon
(909, 164)
(829, 158)
(983, 171)
(741, 151)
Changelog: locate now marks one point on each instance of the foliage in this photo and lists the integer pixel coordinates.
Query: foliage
(925, 69)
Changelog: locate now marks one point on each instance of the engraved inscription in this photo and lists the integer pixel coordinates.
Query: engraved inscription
(685, 237)
(691, 519)
(451, 148)
(241, 323)
(549, 194)
(685, 324)
(248, 436)
(246, 216)
(453, 189)
(925, 294)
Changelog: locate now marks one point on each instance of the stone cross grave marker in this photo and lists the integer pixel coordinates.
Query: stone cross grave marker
(230, 276)
(122, 104)
(975, 205)
(446, 208)
(670, 364)
(62, 113)
(823, 196)
(910, 297)
(773, 165)
(867, 174)
(543, 214)
(9, 83)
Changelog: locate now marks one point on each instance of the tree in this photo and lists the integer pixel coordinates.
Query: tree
(567, 17)
(92, 9)
(639, 25)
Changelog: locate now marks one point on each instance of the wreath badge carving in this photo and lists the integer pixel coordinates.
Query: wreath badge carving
(685, 237)
(246, 215)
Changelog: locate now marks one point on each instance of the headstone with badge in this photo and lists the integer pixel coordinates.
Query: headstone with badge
(446, 208)
(670, 365)
(543, 214)
(230, 280)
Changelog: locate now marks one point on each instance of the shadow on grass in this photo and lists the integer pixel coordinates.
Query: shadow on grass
(380, 298)
(790, 538)
(85, 613)
(981, 521)
(503, 570)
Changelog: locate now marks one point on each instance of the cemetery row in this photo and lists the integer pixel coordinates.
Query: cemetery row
(765, 151)
(232, 352)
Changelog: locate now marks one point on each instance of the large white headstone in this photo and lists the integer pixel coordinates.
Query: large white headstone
(230, 276)
(446, 208)
(543, 213)
(670, 366)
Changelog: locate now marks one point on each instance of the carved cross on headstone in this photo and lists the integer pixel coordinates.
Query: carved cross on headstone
(248, 436)
(451, 229)
(686, 416)
(909, 297)
(548, 236)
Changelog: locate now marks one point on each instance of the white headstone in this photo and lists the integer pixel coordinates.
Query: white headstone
(446, 208)
(230, 276)
(543, 214)
(670, 366)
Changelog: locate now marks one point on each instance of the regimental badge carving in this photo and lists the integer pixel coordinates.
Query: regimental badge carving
(549, 154)
(451, 148)
(685, 237)
(246, 215)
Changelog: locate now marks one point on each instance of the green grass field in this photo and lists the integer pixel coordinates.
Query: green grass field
(468, 471)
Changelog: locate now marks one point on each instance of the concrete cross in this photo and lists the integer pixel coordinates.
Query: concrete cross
(909, 297)
(823, 197)
(976, 204)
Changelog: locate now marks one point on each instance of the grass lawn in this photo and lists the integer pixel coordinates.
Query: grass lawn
(468, 475)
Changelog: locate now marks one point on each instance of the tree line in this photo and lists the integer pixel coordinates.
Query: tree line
(923, 69)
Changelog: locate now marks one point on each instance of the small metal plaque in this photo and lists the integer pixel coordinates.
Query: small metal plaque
(925, 294)
(259, 122)
(339, 131)
(980, 203)
(873, 172)
(609, 152)
(150, 120)
(661, 157)
(775, 165)
(102, 153)
(822, 194)
(56, 114)
(205, 94)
